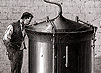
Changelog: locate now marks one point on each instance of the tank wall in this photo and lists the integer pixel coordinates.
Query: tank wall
(41, 57)
(40, 54)
(78, 59)
(73, 53)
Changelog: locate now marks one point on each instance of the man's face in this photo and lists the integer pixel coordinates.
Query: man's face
(27, 21)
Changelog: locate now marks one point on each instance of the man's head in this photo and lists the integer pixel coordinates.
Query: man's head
(26, 18)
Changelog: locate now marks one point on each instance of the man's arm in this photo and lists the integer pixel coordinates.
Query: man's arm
(7, 35)
(23, 46)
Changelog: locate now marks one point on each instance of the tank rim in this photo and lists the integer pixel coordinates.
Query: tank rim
(70, 32)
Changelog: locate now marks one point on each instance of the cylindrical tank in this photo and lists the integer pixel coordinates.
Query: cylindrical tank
(60, 45)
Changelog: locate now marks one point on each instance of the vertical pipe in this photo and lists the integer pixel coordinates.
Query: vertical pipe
(93, 50)
(92, 57)
(66, 56)
(54, 31)
(53, 53)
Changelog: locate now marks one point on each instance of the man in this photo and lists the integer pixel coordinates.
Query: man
(14, 41)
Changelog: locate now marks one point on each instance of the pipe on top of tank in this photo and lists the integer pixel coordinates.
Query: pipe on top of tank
(59, 5)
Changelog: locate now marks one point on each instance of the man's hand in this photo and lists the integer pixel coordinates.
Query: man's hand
(23, 46)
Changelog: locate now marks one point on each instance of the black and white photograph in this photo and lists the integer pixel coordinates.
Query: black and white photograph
(50, 36)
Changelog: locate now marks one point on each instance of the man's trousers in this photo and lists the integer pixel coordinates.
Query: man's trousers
(16, 59)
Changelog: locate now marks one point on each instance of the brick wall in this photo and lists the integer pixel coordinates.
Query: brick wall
(87, 10)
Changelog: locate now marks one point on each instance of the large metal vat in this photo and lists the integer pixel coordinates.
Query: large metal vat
(60, 45)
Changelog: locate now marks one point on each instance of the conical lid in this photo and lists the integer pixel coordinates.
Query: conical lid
(60, 25)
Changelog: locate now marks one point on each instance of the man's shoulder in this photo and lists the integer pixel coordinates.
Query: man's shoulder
(14, 23)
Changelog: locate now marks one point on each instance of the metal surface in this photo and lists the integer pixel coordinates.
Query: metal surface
(40, 54)
(60, 45)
